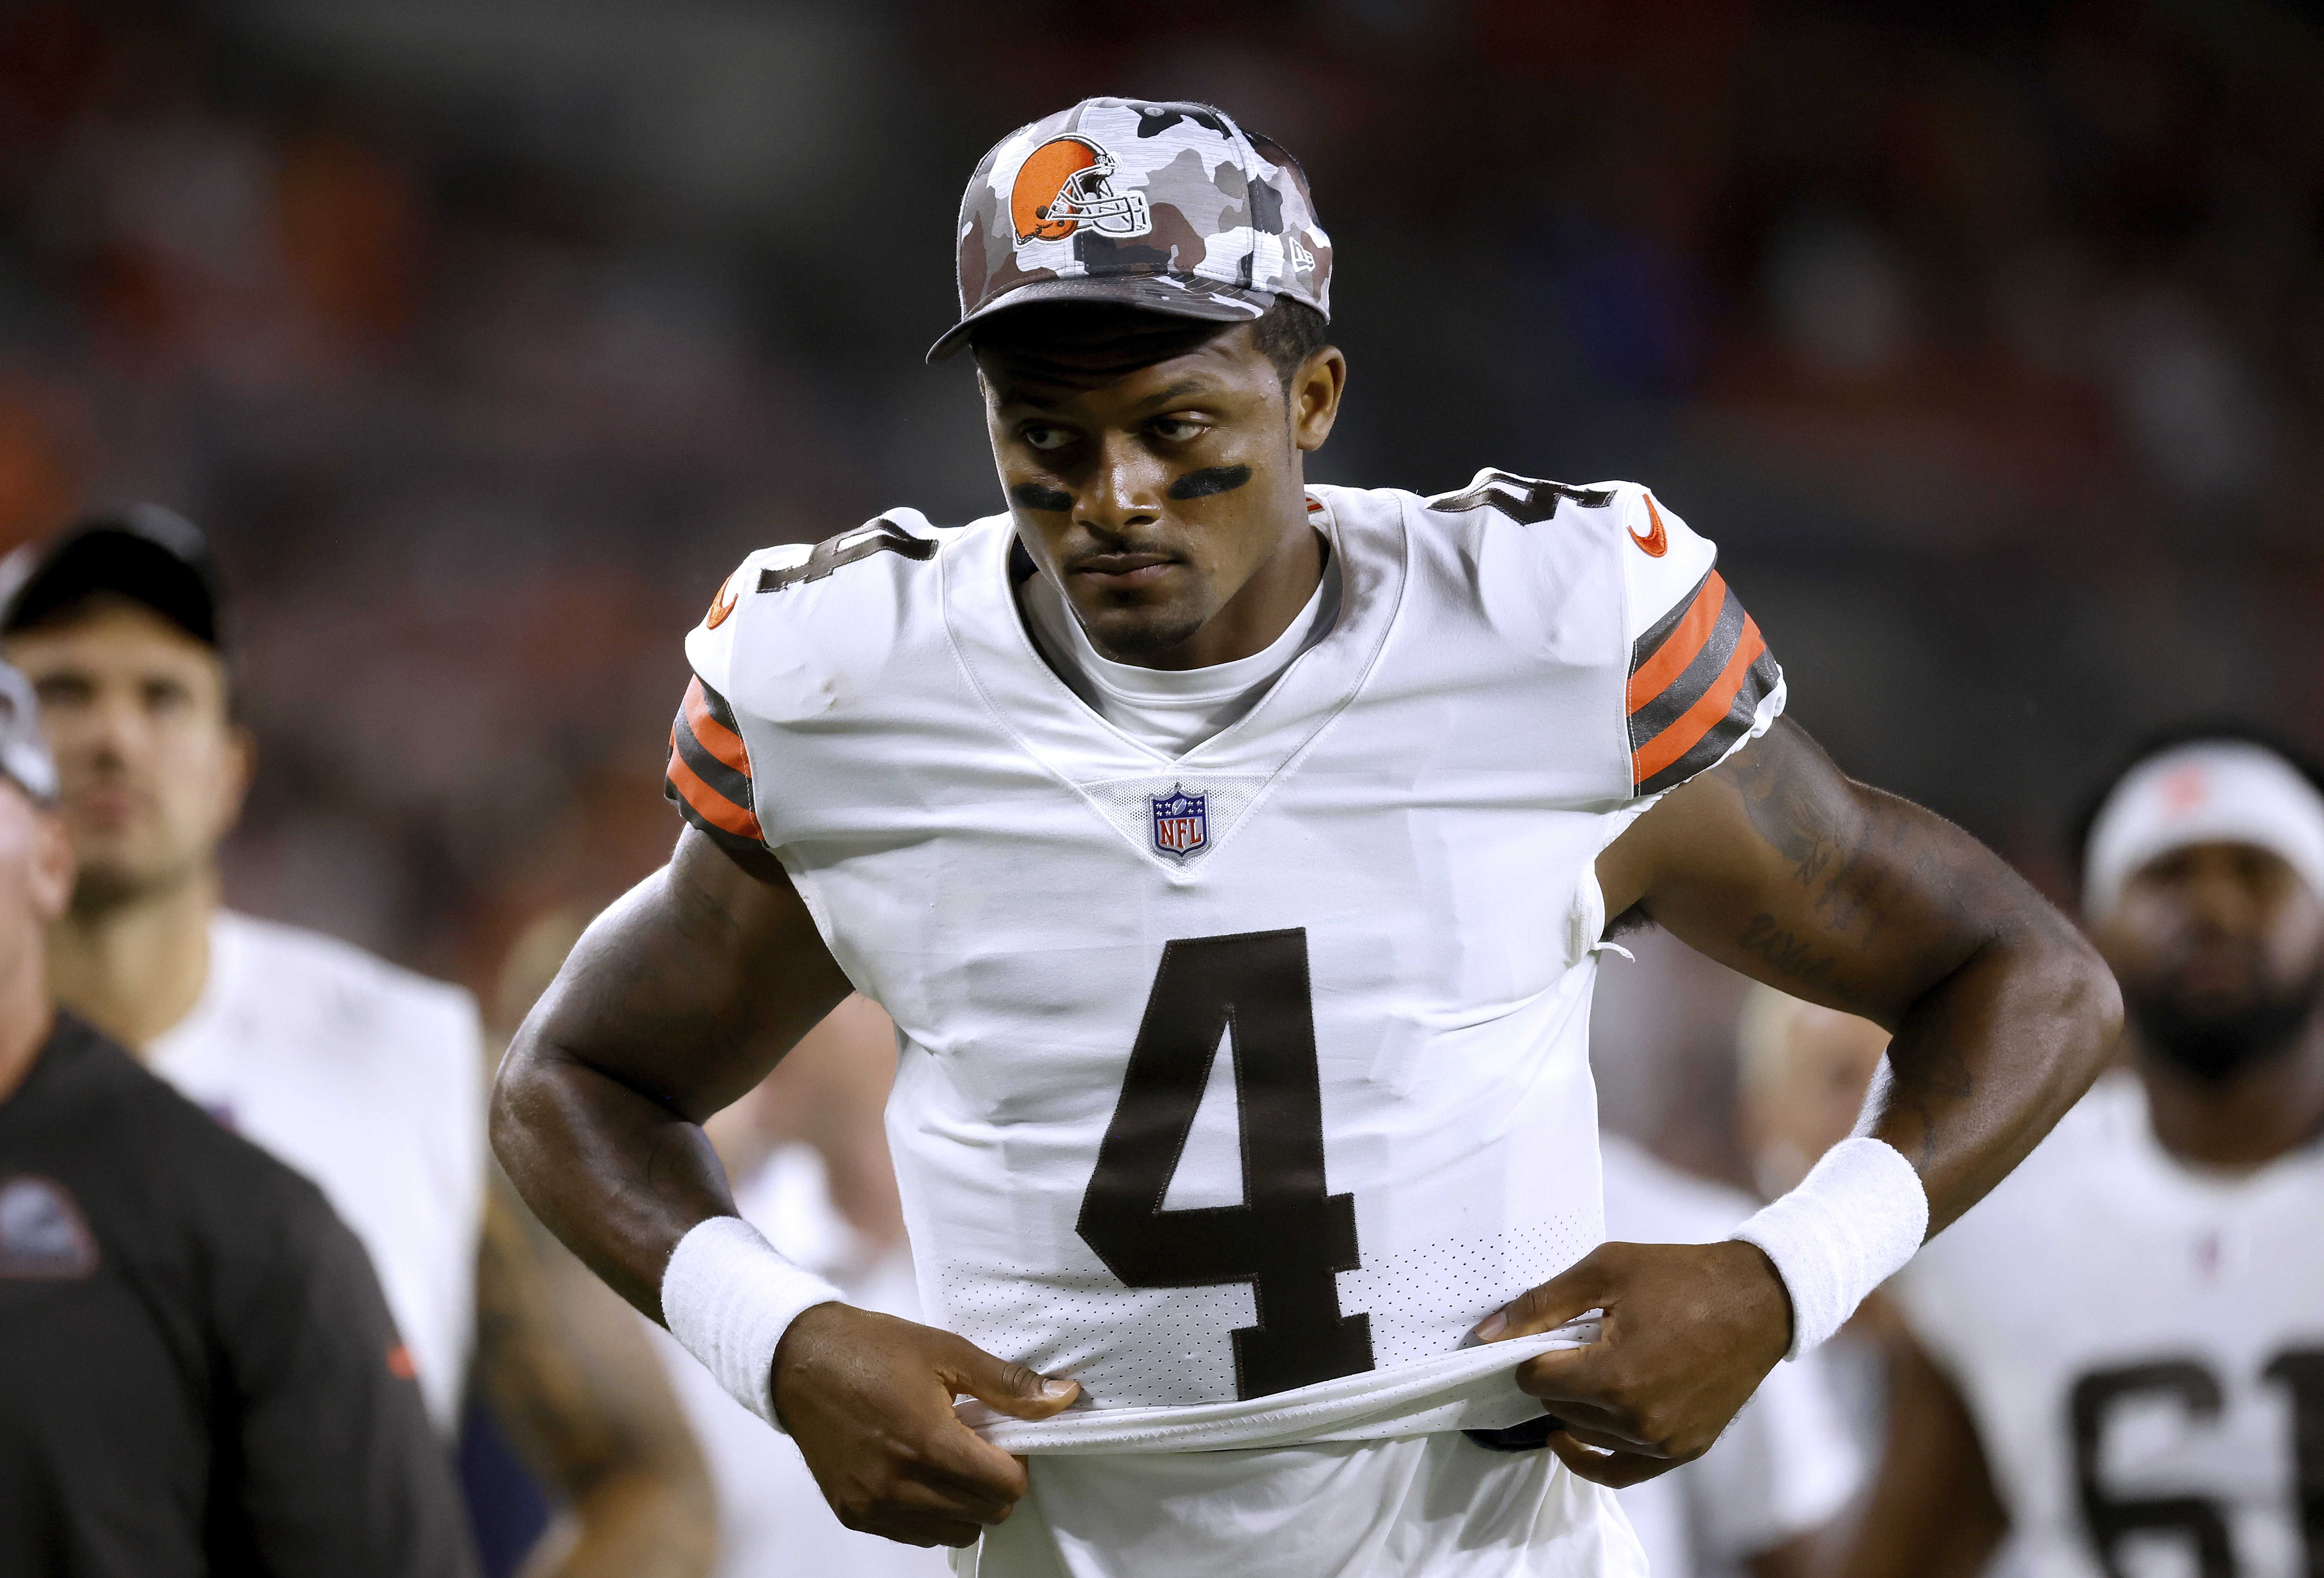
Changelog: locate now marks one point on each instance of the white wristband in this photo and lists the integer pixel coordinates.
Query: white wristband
(728, 1296)
(1851, 1224)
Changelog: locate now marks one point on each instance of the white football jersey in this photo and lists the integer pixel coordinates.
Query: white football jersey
(369, 1079)
(1786, 1464)
(1248, 1070)
(2142, 1347)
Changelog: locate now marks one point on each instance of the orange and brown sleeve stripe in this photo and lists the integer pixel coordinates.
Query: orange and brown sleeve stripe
(1696, 682)
(709, 776)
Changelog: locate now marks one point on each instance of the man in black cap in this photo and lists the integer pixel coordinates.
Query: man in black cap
(197, 1373)
(365, 1077)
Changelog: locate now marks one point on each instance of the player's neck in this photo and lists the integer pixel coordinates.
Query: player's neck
(135, 969)
(2244, 1122)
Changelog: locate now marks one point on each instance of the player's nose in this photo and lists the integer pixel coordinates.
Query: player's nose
(1122, 489)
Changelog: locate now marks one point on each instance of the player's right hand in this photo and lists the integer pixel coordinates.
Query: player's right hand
(869, 1400)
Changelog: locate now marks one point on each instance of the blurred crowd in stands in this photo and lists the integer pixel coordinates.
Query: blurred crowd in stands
(484, 336)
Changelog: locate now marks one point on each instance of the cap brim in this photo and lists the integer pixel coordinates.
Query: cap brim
(1174, 296)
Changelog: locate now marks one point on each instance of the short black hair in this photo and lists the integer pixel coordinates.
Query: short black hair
(1290, 333)
(2224, 730)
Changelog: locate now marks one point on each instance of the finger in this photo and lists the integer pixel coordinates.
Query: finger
(1602, 1440)
(1573, 1292)
(980, 1481)
(1616, 1470)
(1584, 1377)
(926, 1531)
(918, 1501)
(1011, 1388)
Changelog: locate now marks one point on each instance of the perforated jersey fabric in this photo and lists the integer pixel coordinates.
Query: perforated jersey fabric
(1241, 1072)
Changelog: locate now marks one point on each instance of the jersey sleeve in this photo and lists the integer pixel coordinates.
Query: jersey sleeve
(708, 776)
(1701, 679)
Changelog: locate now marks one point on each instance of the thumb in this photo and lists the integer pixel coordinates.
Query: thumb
(1575, 1291)
(1007, 1387)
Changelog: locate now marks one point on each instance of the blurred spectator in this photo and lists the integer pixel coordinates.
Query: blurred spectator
(197, 1373)
(1758, 1499)
(806, 1154)
(1754, 1503)
(1803, 1072)
(367, 1079)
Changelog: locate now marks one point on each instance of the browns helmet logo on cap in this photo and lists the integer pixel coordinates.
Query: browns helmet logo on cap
(1062, 186)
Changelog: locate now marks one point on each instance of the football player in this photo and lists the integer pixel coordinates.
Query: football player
(2120, 1361)
(1232, 856)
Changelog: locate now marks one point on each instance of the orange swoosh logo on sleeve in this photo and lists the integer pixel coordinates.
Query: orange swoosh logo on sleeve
(1655, 543)
(723, 604)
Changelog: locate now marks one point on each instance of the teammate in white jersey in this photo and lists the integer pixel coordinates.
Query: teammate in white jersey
(1232, 856)
(368, 1078)
(2122, 1364)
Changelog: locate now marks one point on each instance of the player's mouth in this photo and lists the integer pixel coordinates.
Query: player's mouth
(1123, 572)
(106, 809)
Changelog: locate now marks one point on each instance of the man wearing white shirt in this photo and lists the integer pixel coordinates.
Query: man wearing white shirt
(362, 1075)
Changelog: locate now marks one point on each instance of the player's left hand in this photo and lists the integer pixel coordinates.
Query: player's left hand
(1688, 1333)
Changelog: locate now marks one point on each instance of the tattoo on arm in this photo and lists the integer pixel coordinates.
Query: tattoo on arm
(1794, 955)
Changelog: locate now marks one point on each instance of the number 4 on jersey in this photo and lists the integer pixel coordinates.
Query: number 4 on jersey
(1289, 1237)
(1526, 500)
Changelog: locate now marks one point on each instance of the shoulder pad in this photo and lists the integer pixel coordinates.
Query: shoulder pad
(780, 597)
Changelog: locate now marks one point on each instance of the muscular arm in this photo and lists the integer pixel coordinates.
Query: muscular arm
(1777, 865)
(584, 1398)
(1932, 1513)
(676, 1001)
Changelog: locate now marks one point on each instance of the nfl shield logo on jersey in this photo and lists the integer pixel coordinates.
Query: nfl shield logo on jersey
(1182, 823)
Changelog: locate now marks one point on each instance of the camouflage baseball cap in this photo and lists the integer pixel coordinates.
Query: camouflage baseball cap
(1169, 206)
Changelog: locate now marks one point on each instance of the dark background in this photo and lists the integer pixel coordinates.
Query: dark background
(485, 335)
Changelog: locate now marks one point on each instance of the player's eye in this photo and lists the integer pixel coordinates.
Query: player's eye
(1040, 435)
(1176, 429)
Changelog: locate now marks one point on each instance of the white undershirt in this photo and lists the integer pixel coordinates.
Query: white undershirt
(1171, 710)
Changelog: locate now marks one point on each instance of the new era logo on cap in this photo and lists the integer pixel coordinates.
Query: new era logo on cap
(1170, 206)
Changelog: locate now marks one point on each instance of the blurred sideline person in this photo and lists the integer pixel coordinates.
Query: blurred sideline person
(364, 1077)
(2121, 1351)
(1758, 1500)
(806, 1154)
(1181, 743)
(197, 1373)
(1801, 1072)
(1754, 1503)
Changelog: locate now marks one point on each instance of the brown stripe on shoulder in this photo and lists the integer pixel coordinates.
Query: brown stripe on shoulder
(1696, 742)
(708, 777)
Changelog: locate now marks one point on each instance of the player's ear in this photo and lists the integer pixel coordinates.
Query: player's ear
(1313, 396)
(241, 763)
(51, 867)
